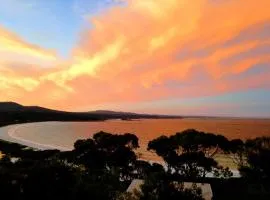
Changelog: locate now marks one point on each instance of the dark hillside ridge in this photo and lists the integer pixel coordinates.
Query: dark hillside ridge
(10, 106)
(11, 112)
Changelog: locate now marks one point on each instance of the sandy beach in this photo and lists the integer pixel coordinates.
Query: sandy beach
(8, 133)
(11, 133)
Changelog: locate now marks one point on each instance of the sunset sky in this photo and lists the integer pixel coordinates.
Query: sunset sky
(186, 57)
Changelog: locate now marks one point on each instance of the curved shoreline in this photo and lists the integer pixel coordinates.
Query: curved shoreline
(10, 135)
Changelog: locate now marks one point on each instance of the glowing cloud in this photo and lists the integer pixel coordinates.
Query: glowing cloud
(155, 49)
(11, 43)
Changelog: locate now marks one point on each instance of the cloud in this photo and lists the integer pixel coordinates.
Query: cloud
(157, 49)
(10, 43)
(19, 73)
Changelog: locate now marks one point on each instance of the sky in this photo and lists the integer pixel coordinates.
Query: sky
(180, 57)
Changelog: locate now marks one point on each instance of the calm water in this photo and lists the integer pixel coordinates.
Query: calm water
(64, 134)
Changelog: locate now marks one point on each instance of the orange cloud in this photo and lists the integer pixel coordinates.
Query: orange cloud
(10, 43)
(18, 76)
(159, 29)
(10, 79)
(151, 49)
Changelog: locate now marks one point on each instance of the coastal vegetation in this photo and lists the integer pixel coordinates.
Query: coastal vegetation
(102, 167)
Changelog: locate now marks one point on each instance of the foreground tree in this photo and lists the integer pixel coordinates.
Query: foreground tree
(159, 186)
(190, 153)
(237, 152)
(164, 190)
(97, 168)
(257, 159)
(108, 152)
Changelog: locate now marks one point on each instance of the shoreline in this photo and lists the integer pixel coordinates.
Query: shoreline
(8, 132)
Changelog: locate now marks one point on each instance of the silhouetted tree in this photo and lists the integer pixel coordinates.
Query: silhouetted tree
(258, 157)
(189, 153)
(238, 152)
(159, 187)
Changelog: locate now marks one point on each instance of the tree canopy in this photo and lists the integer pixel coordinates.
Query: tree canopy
(103, 166)
(189, 153)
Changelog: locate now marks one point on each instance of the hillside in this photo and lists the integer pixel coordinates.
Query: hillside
(15, 107)
(10, 107)
(11, 112)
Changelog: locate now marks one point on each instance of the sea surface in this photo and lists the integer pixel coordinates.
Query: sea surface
(62, 135)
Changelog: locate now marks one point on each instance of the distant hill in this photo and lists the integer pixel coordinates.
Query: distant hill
(109, 112)
(11, 112)
(15, 107)
(10, 106)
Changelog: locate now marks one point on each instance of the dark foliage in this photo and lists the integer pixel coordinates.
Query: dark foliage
(257, 159)
(102, 167)
(189, 153)
(158, 186)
